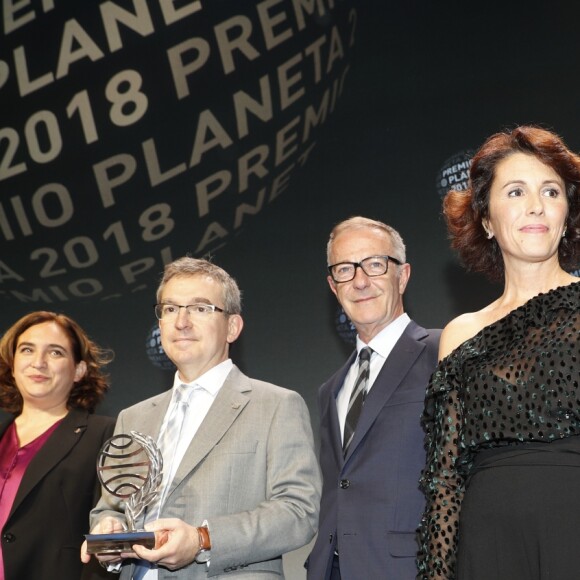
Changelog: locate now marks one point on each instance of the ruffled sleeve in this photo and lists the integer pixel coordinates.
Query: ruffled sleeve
(532, 352)
(441, 481)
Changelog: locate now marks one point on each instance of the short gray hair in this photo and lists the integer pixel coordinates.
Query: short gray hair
(363, 223)
(188, 266)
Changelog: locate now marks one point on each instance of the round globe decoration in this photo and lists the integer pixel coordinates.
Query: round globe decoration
(133, 132)
(454, 174)
(344, 327)
(155, 352)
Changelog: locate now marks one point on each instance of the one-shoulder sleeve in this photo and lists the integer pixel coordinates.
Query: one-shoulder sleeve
(531, 352)
(441, 481)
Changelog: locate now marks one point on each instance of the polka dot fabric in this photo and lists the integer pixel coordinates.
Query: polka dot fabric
(515, 381)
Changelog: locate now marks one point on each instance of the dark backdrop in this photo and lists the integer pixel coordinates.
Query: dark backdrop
(375, 109)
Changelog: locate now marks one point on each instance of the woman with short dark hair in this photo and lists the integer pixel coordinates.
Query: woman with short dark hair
(503, 408)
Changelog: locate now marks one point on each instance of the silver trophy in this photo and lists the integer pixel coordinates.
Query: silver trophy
(129, 467)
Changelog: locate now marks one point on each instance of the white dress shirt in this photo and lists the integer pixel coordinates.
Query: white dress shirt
(382, 345)
(205, 391)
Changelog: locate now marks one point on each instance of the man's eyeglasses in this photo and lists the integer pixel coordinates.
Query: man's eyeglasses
(371, 266)
(165, 311)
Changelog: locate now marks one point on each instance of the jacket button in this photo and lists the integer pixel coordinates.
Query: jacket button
(344, 484)
(8, 537)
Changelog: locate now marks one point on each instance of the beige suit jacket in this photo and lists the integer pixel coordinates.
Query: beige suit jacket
(250, 471)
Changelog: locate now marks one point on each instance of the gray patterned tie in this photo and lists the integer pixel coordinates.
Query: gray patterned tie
(167, 443)
(357, 397)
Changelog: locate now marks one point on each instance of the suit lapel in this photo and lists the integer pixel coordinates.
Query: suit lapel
(328, 412)
(154, 415)
(149, 420)
(398, 363)
(229, 403)
(58, 446)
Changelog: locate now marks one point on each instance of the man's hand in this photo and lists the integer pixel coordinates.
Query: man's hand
(177, 544)
(108, 525)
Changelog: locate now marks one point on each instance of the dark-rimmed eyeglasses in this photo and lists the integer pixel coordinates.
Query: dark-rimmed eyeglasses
(166, 311)
(371, 266)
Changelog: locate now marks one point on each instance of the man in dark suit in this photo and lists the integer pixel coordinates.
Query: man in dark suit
(371, 502)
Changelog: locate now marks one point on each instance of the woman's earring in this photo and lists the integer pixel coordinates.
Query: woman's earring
(564, 232)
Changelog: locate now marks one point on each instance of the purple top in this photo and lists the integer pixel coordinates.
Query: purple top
(13, 463)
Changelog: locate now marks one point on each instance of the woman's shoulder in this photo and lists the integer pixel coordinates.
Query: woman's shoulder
(468, 325)
(101, 422)
(461, 329)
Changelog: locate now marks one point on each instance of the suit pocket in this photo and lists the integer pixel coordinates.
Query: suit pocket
(402, 544)
(238, 448)
(236, 474)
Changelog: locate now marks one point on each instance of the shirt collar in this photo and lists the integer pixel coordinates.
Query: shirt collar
(385, 340)
(211, 381)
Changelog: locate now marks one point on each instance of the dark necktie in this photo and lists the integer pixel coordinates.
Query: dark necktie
(357, 396)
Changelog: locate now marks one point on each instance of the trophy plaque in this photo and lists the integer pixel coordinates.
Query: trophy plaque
(129, 467)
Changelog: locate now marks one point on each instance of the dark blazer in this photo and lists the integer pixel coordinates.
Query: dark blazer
(44, 531)
(371, 502)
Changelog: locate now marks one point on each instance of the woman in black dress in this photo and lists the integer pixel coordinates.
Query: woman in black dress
(502, 413)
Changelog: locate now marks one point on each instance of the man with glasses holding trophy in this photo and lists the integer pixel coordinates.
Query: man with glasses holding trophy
(241, 483)
(371, 440)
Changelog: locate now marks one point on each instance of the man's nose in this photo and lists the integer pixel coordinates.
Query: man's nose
(360, 279)
(183, 318)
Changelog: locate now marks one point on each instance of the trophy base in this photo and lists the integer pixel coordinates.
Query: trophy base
(119, 542)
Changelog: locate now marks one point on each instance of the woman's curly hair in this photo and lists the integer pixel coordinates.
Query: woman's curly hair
(465, 210)
(85, 393)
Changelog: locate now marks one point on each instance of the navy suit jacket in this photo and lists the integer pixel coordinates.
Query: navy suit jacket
(371, 502)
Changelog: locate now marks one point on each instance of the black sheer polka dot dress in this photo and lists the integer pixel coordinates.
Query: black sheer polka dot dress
(502, 479)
